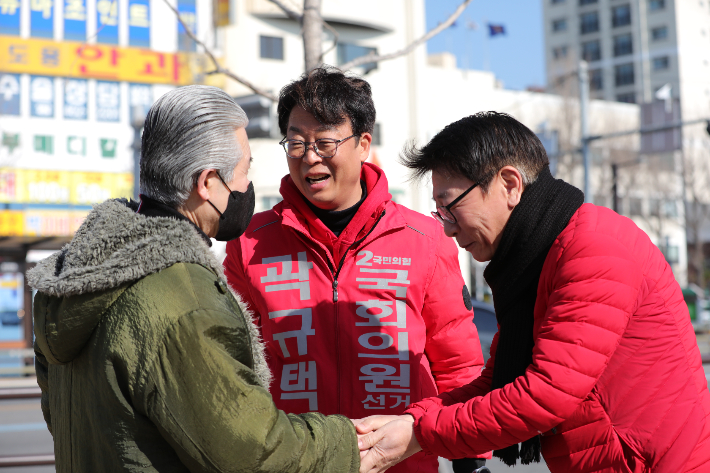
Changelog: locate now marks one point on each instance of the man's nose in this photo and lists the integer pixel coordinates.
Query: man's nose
(311, 157)
(450, 229)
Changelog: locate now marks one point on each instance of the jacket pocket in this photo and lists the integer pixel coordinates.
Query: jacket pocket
(586, 442)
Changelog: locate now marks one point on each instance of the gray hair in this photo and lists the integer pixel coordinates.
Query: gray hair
(188, 130)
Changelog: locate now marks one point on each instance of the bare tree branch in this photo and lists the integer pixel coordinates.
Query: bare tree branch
(218, 69)
(336, 38)
(433, 32)
(293, 14)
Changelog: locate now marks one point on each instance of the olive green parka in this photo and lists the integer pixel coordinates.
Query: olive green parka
(148, 362)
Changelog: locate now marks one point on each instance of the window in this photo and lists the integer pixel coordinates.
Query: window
(624, 75)
(654, 5)
(271, 47)
(348, 51)
(596, 79)
(623, 45)
(559, 25)
(659, 33)
(669, 209)
(672, 254)
(587, 2)
(621, 15)
(591, 51)
(660, 63)
(589, 22)
(635, 207)
(629, 97)
(560, 52)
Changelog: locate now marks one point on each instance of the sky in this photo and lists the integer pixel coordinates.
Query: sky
(516, 58)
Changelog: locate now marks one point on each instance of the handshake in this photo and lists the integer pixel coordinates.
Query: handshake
(385, 441)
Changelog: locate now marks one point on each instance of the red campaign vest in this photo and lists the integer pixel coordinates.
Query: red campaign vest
(347, 322)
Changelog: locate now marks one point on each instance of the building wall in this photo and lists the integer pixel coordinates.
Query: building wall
(68, 94)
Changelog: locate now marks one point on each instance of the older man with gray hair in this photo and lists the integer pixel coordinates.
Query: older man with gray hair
(146, 360)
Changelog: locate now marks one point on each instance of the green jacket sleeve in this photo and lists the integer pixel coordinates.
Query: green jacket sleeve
(42, 371)
(211, 409)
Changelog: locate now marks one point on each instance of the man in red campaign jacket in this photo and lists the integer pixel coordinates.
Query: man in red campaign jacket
(360, 301)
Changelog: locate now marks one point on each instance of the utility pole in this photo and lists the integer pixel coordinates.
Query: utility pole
(583, 75)
(614, 186)
(137, 121)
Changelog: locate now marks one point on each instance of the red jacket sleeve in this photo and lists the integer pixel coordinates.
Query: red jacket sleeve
(590, 292)
(452, 344)
(236, 277)
(478, 387)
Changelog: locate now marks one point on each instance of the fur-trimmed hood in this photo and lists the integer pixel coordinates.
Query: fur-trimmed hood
(113, 248)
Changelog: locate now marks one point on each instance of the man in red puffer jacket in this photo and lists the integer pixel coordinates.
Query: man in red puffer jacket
(360, 301)
(595, 364)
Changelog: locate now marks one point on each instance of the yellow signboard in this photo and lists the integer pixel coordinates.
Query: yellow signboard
(40, 222)
(34, 186)
(97, 61)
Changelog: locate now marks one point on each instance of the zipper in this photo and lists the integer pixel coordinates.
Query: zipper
(342, 260)
(335, 300)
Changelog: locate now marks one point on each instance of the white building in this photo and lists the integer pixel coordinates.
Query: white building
(73, 75)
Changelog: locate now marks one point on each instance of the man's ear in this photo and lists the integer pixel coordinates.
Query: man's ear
(513, 183)
(205, 183)
(364, 143)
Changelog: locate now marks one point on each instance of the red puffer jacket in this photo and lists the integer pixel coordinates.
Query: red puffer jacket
(616, 383)
(360, 324)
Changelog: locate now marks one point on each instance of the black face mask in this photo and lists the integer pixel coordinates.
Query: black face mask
(233, 222)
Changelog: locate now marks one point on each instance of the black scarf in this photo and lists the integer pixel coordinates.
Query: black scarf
(544, 210)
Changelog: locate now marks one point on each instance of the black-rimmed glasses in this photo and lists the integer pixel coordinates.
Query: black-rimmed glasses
(443, 214)
(325, 147)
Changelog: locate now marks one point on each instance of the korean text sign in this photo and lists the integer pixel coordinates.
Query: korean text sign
(97, 61)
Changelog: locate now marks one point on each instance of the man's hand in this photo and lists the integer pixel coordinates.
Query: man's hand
(391, 442)
(368, 424)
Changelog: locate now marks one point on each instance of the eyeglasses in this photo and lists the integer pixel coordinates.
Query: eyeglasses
(325, 147)
(443, 214)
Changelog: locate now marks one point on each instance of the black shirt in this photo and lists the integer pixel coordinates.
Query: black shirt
(337, 220)
(152, 208)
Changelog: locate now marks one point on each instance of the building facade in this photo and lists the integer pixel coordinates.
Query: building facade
(655, 53)
(75, 75)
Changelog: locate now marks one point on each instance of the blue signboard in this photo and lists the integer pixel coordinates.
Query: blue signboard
(141, 97)
(139, 23)
(107, 21)
(10, 17)
(188, 13)
(75, 20)
(76, 96)
(108, 101)
(9, 94)
(41, 96)
(41, 18)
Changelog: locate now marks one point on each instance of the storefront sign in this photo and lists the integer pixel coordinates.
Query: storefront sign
(9, 94)
(108, 101)
(107, 21)
(76, 96)
(42, 96)
(41, 18)
(75, 20)
(96, 61)
(30, 186)
(10, 17)
(139, 23)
